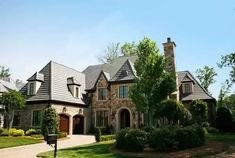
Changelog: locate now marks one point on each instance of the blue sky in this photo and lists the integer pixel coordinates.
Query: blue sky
(75, 32)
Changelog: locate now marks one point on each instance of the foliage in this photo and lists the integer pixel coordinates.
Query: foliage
(32, 131)
(206, 76)
(107, 137)
(172, 112)
(229, 61)
(4, 72)
(62, 134)
(224, 91)
(109, 129)
(129, 48)
(16, 132)
(163, 139)
(153, 82)
(135, 140)
(120, 138)
(12, 101)
(50, 121)
(224, 121)
(111, 53)
(1, 130)
(6, 142)
(98, 135)
(198, 109)
(5, 132)
(212, 130)
(229, 102)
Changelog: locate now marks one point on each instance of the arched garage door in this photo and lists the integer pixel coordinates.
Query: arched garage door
(64, 123)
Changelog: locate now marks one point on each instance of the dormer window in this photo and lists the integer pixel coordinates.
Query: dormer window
(187, 87)
(74, 87)
(31, 88)
(34, 83)
(77, 92)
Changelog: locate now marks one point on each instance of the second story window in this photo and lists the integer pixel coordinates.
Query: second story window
(187, 88)
(123, 92)
(31, 88)
(102, 93)
(77, 92)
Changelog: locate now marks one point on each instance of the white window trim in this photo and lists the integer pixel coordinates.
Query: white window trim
(107, 96)
(95, 117)
(127, 93)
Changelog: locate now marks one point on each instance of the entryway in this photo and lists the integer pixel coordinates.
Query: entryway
(64, 123)
(78, 124)
(124, 118)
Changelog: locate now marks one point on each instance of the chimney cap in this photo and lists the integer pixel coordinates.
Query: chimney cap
(169, 42)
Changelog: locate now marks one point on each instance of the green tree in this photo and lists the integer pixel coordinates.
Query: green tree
(206, 76)
(153, 83)
(224, 91)
(12, 101)
(112, 52)
(4, 72)
(229, 102)
(229, 61)
(50, 121)
(199, 112)
(224, 120)
(129, 48)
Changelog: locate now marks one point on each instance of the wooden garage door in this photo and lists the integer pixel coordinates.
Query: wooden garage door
(64, 123)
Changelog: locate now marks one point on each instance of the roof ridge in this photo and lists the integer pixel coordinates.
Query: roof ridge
(65, 66)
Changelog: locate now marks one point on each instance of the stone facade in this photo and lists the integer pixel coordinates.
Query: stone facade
(113, 104)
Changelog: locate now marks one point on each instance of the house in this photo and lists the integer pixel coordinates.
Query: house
(98, 96)
(6, 85)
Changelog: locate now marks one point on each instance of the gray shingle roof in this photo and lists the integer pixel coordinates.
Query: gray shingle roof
(198, 93)
(36, 77)
(7, 84)
(54, 87)
(93, 72)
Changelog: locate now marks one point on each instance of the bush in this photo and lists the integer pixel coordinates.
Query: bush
(1, 130)
(37, 136)
(212, 130)
(50, 122)
(97, 135)
(224, 121)
(162, 139)
(135, 140)
(16, 132)
(120, 138)
(5, 133)
(198, 110)
(31, 131)
(109, 129)
(62, 134)
(107, 137)
(148, 130)
(92, 129)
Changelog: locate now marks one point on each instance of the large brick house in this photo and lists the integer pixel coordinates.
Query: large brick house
(99, 95)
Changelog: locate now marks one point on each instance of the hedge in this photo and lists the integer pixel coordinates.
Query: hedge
(107, 137)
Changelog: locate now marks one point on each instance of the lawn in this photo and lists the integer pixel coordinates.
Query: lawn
(227, 138)
(6, 142)
(97, 150)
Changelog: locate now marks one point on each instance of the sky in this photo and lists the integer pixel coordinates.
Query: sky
(74, 33)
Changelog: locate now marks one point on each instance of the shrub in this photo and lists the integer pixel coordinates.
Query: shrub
(16, 132)
(212, 130)
(31, 131)
(92, 129)
(135, 140)
(224, 121)
(120, 138)
(162, 139)
(97, 135)
(5, 132)
(37, 136)
(107, 137)
(62, 134)
(109, 129)
(198, 110)
(1, 130)
(148, 130)
(50, 122)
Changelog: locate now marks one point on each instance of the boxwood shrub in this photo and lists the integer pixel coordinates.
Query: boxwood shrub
(107, 137)
(16, 132)
(120, 138)
(5, 133)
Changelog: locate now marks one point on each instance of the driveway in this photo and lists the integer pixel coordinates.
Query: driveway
(30, 151)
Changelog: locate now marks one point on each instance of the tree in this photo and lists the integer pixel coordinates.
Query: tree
(229, 102)
(153, 83)
(12, 101)
(50, 121)
(224, 91)
(4, 72)
(129, 48)
(206, 76)
(112, 52)
(229, 61)
(224, 120)
(199, 111)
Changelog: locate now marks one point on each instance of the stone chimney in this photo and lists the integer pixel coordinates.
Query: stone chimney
(169, 51)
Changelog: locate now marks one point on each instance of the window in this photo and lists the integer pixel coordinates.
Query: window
(16, 119)
(101, 118)
(187, 88)
(102, 93)
(37, 117)
(123, 91)
(77, 92)
(31, 88)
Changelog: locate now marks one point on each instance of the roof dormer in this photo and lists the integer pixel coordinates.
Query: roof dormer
(187, 85)
(74, 87)
(34, 83)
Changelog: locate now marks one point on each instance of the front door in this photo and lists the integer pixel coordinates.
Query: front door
(124, 119)
(78, 124)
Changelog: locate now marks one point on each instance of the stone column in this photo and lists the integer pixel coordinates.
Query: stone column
(70, 125)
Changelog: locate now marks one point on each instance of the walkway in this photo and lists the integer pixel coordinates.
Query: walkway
(30, 151)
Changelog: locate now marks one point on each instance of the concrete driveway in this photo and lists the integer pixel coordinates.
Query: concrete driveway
(30, 151)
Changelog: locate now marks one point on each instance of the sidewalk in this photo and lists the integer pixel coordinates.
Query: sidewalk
(30, 151)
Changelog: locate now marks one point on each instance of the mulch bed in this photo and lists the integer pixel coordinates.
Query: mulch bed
(210, 148)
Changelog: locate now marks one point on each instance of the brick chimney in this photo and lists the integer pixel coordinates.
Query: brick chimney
(169, 51)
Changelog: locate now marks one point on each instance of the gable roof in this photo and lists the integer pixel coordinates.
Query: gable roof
(92, 72)
(198, 93)
(7, 84)
(55, 88)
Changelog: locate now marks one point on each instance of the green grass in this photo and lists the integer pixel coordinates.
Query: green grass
(227, 138)
(6, 142)
(97, 150)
